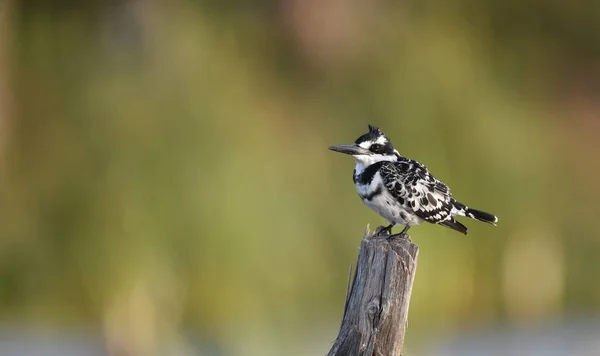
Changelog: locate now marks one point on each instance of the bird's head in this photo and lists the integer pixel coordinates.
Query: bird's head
(372, 147)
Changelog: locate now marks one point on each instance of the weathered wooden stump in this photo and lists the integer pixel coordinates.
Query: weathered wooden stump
(376, 310)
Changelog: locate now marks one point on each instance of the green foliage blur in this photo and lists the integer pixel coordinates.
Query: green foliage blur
(164, 167)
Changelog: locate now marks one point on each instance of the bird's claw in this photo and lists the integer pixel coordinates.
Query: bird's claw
(400, 235)
(383, 230)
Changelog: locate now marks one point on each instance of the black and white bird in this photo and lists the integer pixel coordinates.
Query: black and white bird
(402, 190)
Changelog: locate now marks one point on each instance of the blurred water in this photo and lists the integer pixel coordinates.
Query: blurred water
(575, 337)
(19, 342)
(579, 337)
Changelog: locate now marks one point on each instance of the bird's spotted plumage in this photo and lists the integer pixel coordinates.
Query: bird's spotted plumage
(402, 190)
(409, 181)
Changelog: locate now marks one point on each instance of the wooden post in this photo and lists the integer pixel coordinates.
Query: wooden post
(376, 310)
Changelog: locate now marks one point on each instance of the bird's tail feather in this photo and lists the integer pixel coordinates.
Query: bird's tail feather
(475, 214)
(454, 225)
(481, 216)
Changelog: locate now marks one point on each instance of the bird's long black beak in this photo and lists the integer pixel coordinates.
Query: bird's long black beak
(352, 149)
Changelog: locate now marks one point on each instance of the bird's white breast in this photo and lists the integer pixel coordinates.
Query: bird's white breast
(384, 203)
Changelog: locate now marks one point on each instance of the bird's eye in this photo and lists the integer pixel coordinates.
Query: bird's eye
(375, 147)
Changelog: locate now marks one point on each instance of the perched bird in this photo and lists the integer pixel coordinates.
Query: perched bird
(402, 190)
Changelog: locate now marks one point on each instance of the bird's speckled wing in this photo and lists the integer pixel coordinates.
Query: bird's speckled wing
(415, 188)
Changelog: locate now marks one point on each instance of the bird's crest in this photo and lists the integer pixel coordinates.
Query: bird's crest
(374, 129)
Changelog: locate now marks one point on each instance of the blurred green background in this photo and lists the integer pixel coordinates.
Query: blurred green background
(165, 180)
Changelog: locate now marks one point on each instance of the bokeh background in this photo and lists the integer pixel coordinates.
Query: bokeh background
(166, 188)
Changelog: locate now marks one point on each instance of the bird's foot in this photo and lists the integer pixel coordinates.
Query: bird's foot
(400, 235)
(383, 230)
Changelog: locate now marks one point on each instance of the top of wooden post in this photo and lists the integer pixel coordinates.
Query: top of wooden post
(376, 310)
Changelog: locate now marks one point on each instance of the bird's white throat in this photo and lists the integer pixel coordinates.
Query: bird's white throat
(364, 161)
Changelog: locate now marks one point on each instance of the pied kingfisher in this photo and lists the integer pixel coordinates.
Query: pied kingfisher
(402, 190)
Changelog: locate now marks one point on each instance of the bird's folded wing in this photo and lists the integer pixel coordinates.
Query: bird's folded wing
(411, 183)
